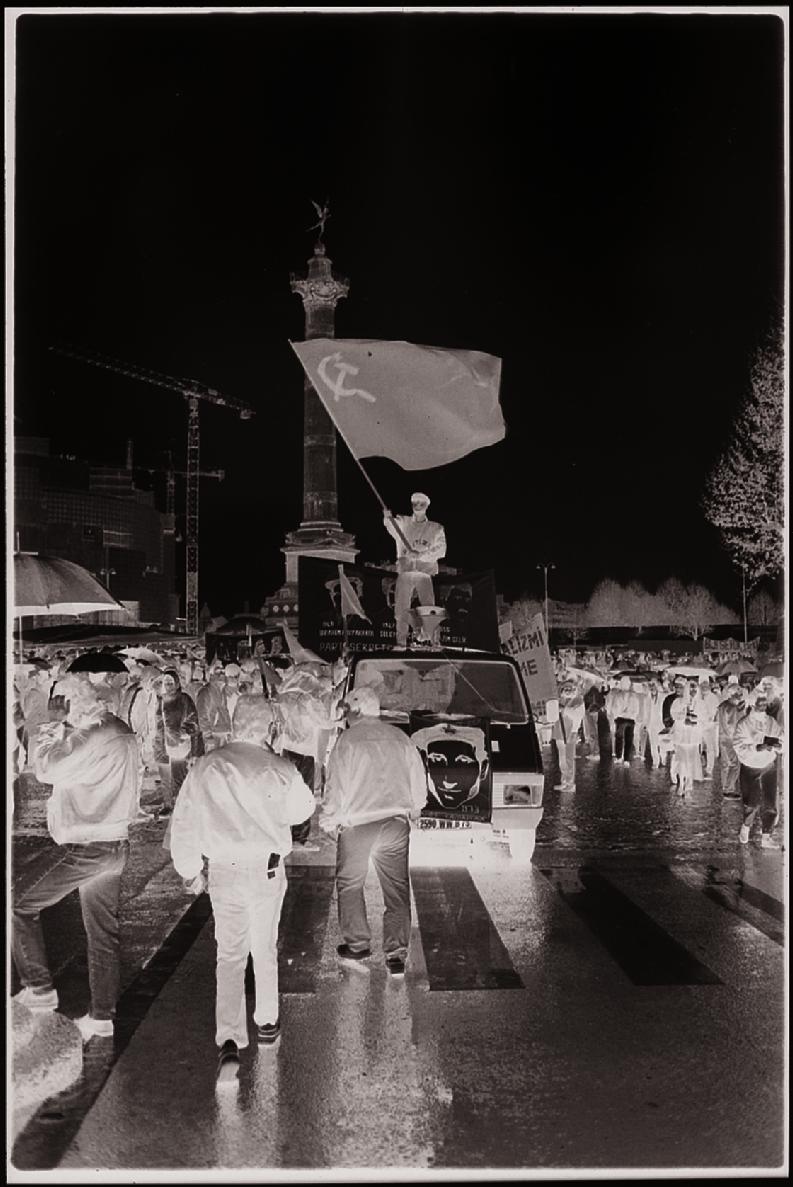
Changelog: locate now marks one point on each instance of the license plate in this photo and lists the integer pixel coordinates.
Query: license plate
(431, 822)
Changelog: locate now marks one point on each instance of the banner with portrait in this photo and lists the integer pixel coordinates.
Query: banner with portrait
(469, 600)
(457, 759)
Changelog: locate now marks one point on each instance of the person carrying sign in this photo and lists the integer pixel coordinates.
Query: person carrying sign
(421, 543)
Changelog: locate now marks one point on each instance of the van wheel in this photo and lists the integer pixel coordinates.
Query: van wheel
(521, 844)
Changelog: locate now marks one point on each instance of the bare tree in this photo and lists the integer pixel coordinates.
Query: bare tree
(607, 605)
(762, 609)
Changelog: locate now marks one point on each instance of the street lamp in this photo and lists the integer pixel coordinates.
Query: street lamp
(743, 592)
(545, 566)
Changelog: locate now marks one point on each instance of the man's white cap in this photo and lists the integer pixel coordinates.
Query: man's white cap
(364, 700)
(253, 717)
(420, 495)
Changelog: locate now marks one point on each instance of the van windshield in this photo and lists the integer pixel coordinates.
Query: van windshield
(483, 688)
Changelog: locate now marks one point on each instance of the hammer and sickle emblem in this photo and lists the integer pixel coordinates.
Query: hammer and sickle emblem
(336, 384)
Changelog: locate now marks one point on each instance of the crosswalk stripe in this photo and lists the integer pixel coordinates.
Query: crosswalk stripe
(462, 948)
(762, 912)
(304, 921)
(645, 952)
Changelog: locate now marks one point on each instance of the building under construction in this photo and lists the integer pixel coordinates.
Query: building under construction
(99, 518)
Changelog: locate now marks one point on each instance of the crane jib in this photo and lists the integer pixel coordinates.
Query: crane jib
(192, 392)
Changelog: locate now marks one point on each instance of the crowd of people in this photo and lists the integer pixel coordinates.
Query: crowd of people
(239, 754)
(700, 721)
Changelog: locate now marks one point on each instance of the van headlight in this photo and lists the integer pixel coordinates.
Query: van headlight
(522, 793)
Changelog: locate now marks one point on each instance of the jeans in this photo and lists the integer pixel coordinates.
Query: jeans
(246, 904)
(387, 842)
(592, 730)
(710, 744)
(405, 585)
(172, 775)
(728, 766)
(566, 754)
(95, 871)
(305, 764)
(623, 737)
(760, 794)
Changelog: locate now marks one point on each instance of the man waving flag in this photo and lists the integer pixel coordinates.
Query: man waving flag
(421, 406)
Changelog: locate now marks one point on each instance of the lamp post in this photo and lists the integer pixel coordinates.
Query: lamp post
(743, 593)
(545, 566)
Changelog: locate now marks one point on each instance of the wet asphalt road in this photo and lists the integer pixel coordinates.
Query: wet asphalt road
(620, 1004)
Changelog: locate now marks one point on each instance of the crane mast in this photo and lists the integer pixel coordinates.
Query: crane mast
(193, 392)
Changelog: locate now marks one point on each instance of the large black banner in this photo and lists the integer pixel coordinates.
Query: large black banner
(468, 598)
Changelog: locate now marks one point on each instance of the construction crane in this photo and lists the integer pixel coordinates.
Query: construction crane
(193, 392)
(171, 474)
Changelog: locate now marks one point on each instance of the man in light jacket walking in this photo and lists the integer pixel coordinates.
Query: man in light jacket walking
(376, 786)
(236, 808)
(92, 761)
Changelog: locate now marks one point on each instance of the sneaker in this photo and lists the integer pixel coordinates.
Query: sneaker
(40, 1002)
(768, 842)
(354, 959)
(91, 1028)
(228, 1063)
(395, 966)
(626, 762)
(268, 1032)
(743, 834)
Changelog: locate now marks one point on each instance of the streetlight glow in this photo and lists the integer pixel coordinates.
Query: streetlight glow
(545, 566)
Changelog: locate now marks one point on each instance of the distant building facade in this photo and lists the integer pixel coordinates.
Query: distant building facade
(99, 519)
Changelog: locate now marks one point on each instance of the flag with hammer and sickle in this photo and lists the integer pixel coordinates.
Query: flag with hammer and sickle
(421, 406)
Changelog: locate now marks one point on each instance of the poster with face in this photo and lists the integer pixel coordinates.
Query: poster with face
(459, 775)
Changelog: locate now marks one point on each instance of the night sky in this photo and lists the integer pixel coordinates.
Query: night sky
(597, 199)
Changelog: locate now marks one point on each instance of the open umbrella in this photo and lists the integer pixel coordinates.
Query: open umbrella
(243, 624)
(691, 670)
(774, 667)
(142, 653)
(585, 675)
(51, 585)
(98, 661)
(738, 666)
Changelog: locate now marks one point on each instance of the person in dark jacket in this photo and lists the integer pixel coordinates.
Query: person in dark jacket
(595, 719)
(177, 737)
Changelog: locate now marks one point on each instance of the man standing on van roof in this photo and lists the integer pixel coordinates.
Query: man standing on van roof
(376, 785)
(417, 560)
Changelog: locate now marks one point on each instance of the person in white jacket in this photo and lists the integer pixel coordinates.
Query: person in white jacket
(376, 786)
(236, 808)
(92, 761)
(758, 742)
(565, 732)
(417, 561)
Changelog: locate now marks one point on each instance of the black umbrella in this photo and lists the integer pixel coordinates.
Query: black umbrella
(98, 661)
(243, 624)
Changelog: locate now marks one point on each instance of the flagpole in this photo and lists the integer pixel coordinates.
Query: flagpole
(356, 459)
